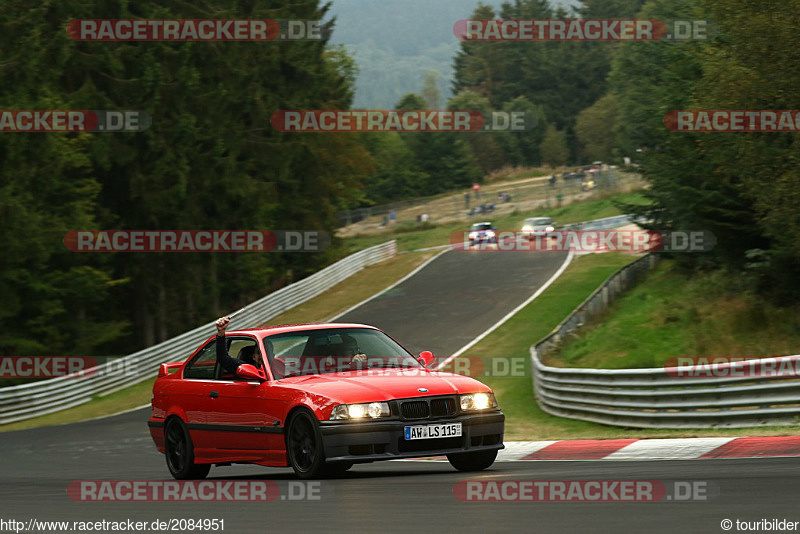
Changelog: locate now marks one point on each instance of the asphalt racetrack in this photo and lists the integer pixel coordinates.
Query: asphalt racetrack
(457, 297)
(443, 307)
(401, 496)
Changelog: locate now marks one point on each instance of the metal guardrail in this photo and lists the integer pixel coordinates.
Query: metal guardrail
(728, 395)
(25, 401)
(601, 224)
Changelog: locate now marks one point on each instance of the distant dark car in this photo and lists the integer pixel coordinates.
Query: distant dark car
(482, 232)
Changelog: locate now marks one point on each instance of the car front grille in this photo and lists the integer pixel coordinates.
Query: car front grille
(415, 409)
(443, 407)
(423, 409)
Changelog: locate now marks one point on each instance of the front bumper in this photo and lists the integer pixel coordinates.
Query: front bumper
(533, 234)
(384, 440)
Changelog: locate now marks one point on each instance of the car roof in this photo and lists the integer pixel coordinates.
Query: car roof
(284, 328)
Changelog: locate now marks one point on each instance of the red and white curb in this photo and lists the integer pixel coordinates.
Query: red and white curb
(647, 449)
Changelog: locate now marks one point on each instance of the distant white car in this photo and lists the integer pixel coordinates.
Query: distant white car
(538, 227)
(482, 232)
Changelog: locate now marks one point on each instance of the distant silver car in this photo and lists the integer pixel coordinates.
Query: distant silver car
(538, 227)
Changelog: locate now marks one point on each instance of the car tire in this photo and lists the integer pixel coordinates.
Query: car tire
(304, 447)
(472, 461)
(179, 452)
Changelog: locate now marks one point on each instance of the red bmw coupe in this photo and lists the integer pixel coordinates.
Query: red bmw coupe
(330, 396)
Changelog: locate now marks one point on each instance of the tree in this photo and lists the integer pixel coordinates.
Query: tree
(209, 161)
(430, 90)
(554, 149)
(528, 142)
(595, 129)
(484, 146)
(410, 102)
(688, 191)
(396, 175)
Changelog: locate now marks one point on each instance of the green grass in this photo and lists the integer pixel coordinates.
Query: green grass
(633, 328)
(673, 314)
(412, 237)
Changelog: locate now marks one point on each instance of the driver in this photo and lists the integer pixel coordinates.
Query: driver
(247, 355)
(351, 349)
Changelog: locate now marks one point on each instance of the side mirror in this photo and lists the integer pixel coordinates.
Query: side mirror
(167, 368)
(249, 372)
(426, 358)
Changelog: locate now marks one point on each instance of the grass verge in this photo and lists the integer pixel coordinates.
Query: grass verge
(671, 314)
(628, 329)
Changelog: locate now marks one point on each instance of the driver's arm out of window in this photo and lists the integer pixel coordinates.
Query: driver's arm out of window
(224, 359)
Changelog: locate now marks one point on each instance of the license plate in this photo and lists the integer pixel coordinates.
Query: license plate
(448, 430)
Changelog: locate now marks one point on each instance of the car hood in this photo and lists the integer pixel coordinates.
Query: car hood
(384, 384)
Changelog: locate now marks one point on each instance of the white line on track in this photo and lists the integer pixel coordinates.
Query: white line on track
(513, 312)
(378, 294)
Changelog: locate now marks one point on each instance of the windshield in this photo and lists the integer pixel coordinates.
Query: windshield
(311, 352)
(538, 221)
(480, 227)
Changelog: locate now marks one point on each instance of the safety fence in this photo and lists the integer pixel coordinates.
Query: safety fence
(723, 395)
(25, 401)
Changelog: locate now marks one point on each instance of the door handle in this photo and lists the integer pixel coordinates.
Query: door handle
(214, 394)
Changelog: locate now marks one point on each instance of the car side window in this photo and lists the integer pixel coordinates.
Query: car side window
(235, 349)
(202, 366)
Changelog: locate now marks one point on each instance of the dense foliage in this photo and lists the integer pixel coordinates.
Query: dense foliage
(211, 160)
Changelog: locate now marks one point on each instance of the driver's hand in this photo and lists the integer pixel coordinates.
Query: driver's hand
(222, 323)
(359, 358)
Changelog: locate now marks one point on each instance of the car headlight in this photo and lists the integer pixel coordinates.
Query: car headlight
(474, 402)
(527, 228)
(356, 412)
(490, 234)
(473, 235)
(549, 229)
